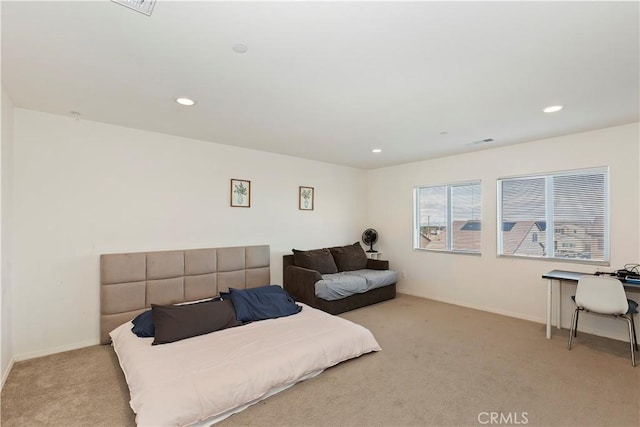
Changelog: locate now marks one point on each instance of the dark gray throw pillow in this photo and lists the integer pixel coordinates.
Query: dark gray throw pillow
(348, 258)
(177, 322)
(317, 259)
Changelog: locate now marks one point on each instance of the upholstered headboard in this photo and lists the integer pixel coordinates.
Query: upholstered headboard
(130, 283)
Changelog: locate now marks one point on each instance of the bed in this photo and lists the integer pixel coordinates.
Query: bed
(204, 379)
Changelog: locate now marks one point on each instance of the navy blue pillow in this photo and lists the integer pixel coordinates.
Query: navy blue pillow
(143, 325)
(267, 302)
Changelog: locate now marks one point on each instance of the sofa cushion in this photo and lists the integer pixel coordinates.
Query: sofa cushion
(320, 260)
(350, 257)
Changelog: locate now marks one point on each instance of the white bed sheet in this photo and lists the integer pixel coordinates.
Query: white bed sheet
(215, 375)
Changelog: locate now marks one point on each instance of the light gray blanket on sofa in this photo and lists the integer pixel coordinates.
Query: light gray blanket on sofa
(341, 285)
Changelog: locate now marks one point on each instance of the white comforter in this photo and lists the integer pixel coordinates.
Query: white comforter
(212, 375)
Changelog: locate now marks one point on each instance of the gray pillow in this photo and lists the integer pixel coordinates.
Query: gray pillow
(351, 257)
(317, 259)
(177, 322)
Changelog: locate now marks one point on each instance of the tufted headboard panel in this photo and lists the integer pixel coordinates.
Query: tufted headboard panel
(130, 283)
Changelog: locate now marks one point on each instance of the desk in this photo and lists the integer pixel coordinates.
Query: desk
(567, 276)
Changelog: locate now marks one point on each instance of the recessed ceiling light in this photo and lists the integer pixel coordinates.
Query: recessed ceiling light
(553, 109)
(240, 48)
(376, 150)
(185, 101)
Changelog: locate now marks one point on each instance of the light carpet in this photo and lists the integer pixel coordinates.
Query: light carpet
(440, 365)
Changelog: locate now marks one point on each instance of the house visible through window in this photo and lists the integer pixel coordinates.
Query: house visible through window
(448, 217)
(560, 216)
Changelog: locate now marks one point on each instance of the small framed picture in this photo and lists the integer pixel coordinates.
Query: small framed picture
(240, 193)
(305, 197)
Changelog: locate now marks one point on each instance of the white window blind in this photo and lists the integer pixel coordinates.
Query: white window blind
(563, 216)
(448, 217)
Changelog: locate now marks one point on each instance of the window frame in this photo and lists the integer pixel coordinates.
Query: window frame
(550, 222)
(449, 220)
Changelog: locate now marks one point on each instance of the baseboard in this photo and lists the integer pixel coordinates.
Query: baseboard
(480, 307)
(587, 330)
(5, 374)
(54, 350)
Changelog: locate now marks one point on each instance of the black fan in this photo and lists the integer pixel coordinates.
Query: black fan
(369, 237)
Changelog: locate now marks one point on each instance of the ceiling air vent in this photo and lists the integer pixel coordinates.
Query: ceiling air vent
(142, 6)
(480, 141)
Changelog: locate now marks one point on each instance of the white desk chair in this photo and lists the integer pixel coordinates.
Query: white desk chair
(604, 295)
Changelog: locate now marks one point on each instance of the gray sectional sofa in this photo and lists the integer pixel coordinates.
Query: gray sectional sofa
(338, 279)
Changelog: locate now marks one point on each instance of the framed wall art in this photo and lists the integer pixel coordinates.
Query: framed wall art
(240, 193)
(305, 198)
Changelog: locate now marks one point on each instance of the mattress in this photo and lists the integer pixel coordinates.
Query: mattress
(212, 376)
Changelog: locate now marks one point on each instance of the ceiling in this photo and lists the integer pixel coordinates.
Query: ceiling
(330, 81)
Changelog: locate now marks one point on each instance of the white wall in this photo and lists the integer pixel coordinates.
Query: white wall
(85, 188)
(507, 285)
(6, 178)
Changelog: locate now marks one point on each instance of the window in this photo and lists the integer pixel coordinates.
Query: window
(447, 217)
(568, 209)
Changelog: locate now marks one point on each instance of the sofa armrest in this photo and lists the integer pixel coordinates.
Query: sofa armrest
(300, 283)
(377, 264)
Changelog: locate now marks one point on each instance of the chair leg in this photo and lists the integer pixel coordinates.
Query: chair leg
(574, 326)
(575, 330)
(635, 336)
(631, 340)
